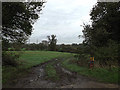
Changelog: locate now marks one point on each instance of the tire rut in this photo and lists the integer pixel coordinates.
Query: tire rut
(67, 79)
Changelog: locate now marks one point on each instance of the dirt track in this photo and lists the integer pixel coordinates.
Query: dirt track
(36, 79)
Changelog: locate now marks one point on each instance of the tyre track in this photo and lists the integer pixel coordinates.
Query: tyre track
(67, 79)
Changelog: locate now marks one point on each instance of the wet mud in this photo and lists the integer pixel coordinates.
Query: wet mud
(37, 79)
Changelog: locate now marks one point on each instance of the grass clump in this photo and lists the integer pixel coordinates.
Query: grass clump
(51, 72)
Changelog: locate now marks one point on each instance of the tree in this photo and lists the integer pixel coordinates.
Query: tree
(52, 42)
(105, 24)
(17, 21)
(18, 18)
(103, 36)
(105, 18)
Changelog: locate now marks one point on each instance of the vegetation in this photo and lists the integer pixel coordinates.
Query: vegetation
(10, 59)
(51, 72)
(101, 40)
(72, 48)
(36, 57)
(102, 37)
(101, 74)
(17, 19)
(27, 60)
(42, 47)
(52, 42)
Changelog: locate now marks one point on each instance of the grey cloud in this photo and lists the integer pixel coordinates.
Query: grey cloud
(62, 18)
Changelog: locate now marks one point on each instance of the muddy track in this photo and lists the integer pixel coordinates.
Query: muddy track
(67, 79)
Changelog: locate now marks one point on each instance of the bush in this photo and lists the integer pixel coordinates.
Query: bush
(11, 49)
(23, 49)
(10, 58)
(82, 59)
(108, 55)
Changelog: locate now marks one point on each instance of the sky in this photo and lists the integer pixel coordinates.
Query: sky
(62, 18)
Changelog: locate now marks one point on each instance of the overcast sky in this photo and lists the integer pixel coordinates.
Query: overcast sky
(63, 19)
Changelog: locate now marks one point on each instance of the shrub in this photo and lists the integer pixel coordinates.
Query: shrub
(107, 56)
(11, 49)
(82, 59)
(23, 49)
(10, 58)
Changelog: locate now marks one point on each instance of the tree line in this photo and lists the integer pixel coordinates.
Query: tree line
(102, 37)
(50, 45)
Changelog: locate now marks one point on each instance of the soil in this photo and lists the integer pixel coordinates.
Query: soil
(37, 79)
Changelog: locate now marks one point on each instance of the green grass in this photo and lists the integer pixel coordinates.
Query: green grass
(29, 59)
(9, 74)
(33, 58)
(51, 72)
(101, 74)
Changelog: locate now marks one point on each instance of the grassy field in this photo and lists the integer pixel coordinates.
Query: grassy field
(29, 59)
(101, 74)
(33, 58)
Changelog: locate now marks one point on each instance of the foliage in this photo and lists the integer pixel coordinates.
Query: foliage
(102, 36)
(33, 46)
(16, 46)
(23, 49)
(106, 16)
(67, 48)
(17, 19)
(10, 59)
(82, 59)
(5, 45)
(82, 56)
(107, 55)
(52, 42)
(105, 24)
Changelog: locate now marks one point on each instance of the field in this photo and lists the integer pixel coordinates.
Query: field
(28, 59)
(33, 58)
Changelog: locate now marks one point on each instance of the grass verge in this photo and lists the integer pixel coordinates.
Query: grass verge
(101, 74)
(10, 74)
